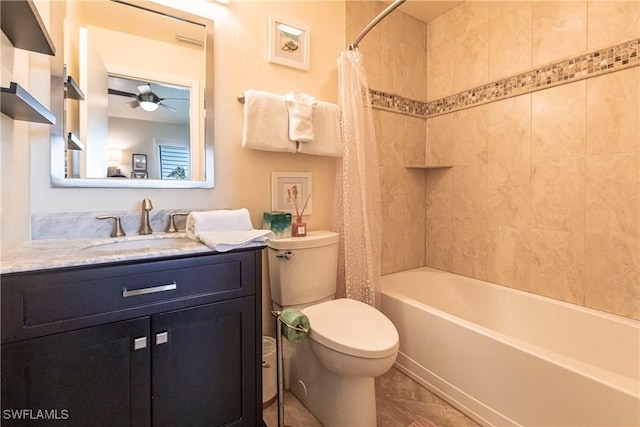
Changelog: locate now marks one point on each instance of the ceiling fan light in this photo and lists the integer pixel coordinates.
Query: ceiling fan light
(148, 105)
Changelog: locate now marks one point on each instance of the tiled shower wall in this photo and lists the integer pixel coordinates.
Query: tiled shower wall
(395, 59)
(543, 192)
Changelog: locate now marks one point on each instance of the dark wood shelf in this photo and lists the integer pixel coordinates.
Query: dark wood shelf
(73, 89)
(23, 26)
(73, 143)
(18, 104)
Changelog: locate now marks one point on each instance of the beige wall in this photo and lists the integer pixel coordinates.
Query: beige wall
(543, 194)
(242, 176)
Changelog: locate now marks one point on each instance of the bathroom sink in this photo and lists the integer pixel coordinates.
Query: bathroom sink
(148, 244)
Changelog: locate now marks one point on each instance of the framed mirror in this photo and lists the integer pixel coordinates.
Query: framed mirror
(145, 78)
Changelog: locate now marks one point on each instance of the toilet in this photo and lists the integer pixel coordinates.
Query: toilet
(332, 371)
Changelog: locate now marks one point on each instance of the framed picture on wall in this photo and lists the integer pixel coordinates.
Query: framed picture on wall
(289, 189)
(288, 43)
(139, 162)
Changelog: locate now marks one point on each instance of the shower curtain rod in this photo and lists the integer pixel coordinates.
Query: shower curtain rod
(373, 23)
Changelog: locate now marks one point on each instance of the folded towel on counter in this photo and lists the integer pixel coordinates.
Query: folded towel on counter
(326, 126)
(300, 113)
(217, 221)
(266, 122)
(228, 240)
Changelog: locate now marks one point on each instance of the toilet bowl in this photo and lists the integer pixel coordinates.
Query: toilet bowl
(350, 343)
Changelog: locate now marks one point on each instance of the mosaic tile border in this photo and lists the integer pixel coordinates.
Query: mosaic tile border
(601, 61)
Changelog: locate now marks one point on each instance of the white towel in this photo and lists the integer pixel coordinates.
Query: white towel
(326, 125)
(218, 221)
(228, 240)
(266, 122)
(300, 108)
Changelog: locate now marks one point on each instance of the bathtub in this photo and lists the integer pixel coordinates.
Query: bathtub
(507, 357)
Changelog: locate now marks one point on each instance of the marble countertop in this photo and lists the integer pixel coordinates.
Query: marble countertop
(57, 253)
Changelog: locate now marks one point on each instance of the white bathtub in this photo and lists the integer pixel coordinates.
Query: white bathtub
(507, 357)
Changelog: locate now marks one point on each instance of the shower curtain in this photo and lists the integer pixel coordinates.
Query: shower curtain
(357, 210)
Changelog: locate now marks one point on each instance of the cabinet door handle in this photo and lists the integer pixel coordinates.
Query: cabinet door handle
(140, 343)
(153, 289)
(162, 338)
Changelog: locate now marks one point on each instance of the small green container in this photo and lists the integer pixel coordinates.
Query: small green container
(278, 222)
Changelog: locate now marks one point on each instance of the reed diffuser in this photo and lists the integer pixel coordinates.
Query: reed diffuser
(299, 228)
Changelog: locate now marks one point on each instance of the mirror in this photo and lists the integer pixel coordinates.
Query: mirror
(146, 74)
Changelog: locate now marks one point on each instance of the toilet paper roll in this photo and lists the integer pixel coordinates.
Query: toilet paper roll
(294, 318)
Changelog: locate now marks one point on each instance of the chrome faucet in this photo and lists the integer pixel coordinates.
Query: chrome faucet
(145, 228)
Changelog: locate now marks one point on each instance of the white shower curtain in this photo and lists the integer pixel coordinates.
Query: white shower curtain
(357, 214)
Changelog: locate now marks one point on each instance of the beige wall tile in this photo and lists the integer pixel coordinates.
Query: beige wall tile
(441, 30)
(613, 112)
(414, 219)
(510, 130)
(612, 195)
(389, 135)
(508, 257)
(439, 135)
(470, 193)
(439, 194)
(439, 244)
(470, 254)
(625, 14)
(612, 279)
(559, 30)
(471, 53)
(557, 265)
(392, 200)
(499, 8)
(558, 194)
(469, 15)
(470, 136)
(509, 194)
(440, 71)
(510, 43)
(558, 122)
(414, 141)
(413, 31)
(414, 71)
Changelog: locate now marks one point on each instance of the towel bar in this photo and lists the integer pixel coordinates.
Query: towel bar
(241, 98)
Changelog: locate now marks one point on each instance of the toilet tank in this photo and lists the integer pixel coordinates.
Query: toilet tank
(303, 270)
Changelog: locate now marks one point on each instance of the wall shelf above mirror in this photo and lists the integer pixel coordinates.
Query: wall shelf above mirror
(23, 26)
(18, 104)
(73, 90)
(146, 73)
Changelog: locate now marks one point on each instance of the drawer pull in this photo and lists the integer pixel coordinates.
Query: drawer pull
(152, 290)
(140, 343)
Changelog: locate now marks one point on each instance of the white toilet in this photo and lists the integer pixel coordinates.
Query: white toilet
(332, 371)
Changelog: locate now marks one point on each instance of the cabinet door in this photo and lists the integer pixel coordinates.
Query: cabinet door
(89, 377)
(204, 365)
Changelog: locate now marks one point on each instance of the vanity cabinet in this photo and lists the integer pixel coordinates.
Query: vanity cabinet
(164, 342)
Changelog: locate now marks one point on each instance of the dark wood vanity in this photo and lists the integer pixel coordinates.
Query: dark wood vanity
(170, 341)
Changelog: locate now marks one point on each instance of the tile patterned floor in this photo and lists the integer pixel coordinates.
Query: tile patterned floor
(401, 402)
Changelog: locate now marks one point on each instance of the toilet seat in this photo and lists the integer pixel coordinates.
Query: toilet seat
(353, 328)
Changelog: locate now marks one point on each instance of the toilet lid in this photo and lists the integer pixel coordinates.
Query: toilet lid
(353, 328)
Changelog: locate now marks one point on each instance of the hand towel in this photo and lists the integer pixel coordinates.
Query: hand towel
(221, 220)
(300, 109)
(266, 122)
(228, 240)
(326, 126)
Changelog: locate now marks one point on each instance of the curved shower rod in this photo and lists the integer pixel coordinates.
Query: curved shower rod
(375, 21)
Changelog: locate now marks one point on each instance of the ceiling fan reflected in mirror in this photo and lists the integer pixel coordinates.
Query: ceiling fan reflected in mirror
(146, 98)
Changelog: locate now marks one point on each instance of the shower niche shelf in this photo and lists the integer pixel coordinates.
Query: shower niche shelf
(428, 166)
(18, 104)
